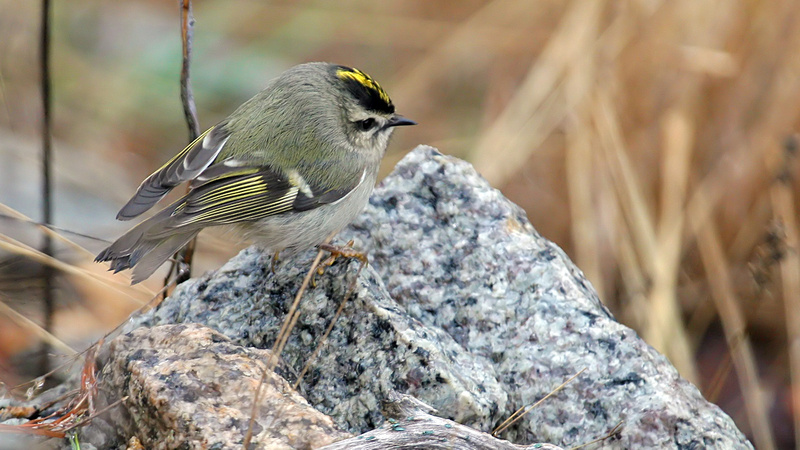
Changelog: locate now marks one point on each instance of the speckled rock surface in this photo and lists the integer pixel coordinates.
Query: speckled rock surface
(374, 349)
(459, 256)
(190, 387)
(466, 307)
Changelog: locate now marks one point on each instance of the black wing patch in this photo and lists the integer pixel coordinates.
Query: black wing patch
(321, 197)
(228, 193)
(236, 194)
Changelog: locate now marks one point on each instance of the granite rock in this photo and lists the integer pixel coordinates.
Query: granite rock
(460, 257)
(188, 386)
(375, 348)
(466, 307)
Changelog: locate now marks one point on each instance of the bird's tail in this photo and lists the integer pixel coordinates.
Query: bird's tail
(146, 246)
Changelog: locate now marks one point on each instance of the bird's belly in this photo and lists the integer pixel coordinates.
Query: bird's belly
(294, 232)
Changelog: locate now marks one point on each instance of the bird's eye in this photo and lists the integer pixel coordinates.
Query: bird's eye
(366, 124)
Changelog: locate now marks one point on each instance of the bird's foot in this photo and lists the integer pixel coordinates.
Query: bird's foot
(274, 263)
(338, 251)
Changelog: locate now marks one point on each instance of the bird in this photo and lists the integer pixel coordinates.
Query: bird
(287, 169)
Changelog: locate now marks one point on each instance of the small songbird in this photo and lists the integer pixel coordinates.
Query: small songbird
(290, 167)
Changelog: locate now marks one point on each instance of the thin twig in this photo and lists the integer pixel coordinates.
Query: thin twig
(53, 230)
(517, 415)
(40, 332)
(608, 435)
(350, 289)
(19, 248)
(280, 342)
(67, 417)
(47, 209)
(292, 316)
(720, 377)
(186, 254)
(97, 413)
(187, 97)
(154, 301)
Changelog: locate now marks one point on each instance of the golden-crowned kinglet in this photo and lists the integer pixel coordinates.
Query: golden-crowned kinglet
(291, 166)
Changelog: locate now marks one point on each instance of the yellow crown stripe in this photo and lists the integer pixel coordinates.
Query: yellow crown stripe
(365, 80)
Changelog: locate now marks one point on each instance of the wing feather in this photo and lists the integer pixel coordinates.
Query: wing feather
(184, 166)
(229, 192)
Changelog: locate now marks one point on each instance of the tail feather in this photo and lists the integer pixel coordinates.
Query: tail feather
(145, 247)
(119, 253)
(155, 256)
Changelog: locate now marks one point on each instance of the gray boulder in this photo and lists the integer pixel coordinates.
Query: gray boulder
(465, 307)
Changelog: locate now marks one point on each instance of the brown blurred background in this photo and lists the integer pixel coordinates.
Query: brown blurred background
(652, 139)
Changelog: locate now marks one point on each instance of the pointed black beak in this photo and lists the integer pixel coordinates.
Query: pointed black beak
(399, 121)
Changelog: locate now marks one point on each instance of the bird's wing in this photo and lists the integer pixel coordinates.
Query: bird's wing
(231, 192)
(184, 166)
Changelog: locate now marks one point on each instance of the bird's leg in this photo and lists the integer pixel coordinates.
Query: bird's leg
(338, 251)
(274, 261)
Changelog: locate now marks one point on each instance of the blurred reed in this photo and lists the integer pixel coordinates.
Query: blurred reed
(653, 140)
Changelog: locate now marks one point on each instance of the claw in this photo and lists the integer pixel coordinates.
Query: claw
(337, 251)
(346, 251)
